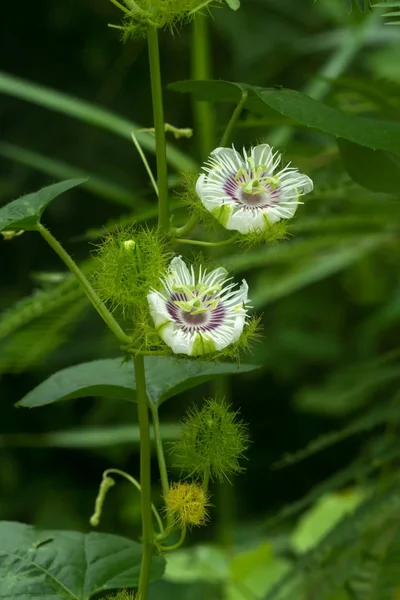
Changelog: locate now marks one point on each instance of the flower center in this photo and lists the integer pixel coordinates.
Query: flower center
(194, 318)
(196, 307)
(196, 300)
(254, 180)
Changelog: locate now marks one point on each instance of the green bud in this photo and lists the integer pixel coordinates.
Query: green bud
(10, 234)
(106, 484)
(211, 443)
(139, 14)
(128, 264)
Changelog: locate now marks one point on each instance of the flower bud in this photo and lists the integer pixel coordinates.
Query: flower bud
(139, 14)
(187, 504)
(128, 264)
(211, 443)
(106, 484)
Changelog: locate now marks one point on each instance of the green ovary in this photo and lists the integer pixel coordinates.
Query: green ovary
(202, 345)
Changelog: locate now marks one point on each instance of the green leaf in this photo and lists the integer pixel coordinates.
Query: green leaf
(374, 133)
(198, 563)
(165, 377)
(375, 170)
(57, 169)
(326, 513)
(92, 437)
(89, 113)
(25, 212)
(66, 564)
(233, 4)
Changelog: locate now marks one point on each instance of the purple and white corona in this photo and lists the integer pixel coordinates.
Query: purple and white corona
(246, 192)
(198, 313)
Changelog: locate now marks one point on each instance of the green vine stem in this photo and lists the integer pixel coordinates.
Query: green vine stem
(158, 113)
(89, 291)
(160, 451)
(161, 465)
(207, 244)
(187, 227)
(203, 112)
(145, 477)
(178, 543)
(232, 121)
(137, 485)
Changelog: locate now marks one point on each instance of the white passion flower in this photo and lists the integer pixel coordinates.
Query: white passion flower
(198, 313)
(247, 192)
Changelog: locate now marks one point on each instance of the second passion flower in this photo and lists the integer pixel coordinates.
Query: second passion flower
(250, 191)
(198, 312)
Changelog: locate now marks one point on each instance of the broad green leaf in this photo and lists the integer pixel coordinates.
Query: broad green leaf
(92, 437)
(165, 377)
(89, 113)
(25, 212)
(375, 170)
(374, 133)
(198, 563)
(255, 570)
(61, 170)
(328, 511)
(66, 565)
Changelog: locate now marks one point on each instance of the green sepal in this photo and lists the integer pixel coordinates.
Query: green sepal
(222, 214)
(202, 346)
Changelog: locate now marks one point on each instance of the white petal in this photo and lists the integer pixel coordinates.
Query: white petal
(201, 186)
(176, 339)
(216, 277)
(280, 211)
(238, 327)
(227, 155)
(264, 155)
(242, 295)
(179, 271)
(158, 309)
(306, 185)
(244, 220)
(297, 182)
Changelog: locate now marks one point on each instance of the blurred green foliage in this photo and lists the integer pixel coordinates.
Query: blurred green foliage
(329, 295)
